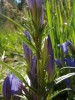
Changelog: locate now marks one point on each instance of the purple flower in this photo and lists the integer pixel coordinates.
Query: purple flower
(35, 5)
(11, 86)
(68, 61)
(33, 70)
(7, 88)
(50, 64)
(27, 50)
(24, 89)
(42, 18)
(27, 53)
(31, 4)
(39, 4)
(58, 62)
(36, 11)
(27, 35)
(72, 47)
(64, 47)
(73, 62)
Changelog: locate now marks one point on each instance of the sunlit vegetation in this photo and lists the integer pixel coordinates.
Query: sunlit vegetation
(20, 25)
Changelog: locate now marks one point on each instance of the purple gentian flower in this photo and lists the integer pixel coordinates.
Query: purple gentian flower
(73, 62)
(41, 19)
(27, 53)
(58, 63)
(35, 5)
(68, 61)
(33, 70)
(50, 64)
(11, 86)
(24, 89)
(64, 47)
(7, 88)
(72, 47)
(37, 12)
(27, 35)
(27, 50)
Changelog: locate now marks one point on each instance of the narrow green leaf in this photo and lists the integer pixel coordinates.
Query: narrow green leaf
(49, 86)
(67, 68)
(13, 21)
(58, 80)
(48, 6)
(74, 14)
(27, 42)
(59, 92)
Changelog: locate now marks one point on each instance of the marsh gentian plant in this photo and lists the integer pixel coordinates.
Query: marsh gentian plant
(39, 57)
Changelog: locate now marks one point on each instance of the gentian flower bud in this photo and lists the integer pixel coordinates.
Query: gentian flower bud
(36, 11)
(50, 64)
(64, 47)
(27, 53)
(33, 70)
(7, 88)
(58, 63)
(11, 87)
(27, 50)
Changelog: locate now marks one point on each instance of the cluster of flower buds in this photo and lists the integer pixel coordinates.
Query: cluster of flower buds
(30, 59)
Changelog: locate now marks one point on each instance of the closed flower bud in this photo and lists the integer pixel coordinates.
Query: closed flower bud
(27, 50)
(50, 64)
(33, 70)
(27, 53)
(36, 11)
(11, 87)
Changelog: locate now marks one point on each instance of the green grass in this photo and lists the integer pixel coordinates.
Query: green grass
(61, 16)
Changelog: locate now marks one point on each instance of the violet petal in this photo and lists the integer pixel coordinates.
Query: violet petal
(50, 64)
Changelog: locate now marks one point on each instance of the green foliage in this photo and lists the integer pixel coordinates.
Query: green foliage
(60, 16)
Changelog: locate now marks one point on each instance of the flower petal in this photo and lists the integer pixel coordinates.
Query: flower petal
(58, 62)
(27, 35)
(7, 88)
(68, 61)
(33, 70)
(15, 89)
(11, 87)
(50, 64)
(73, 62)
(27, 53)
(64, 47)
